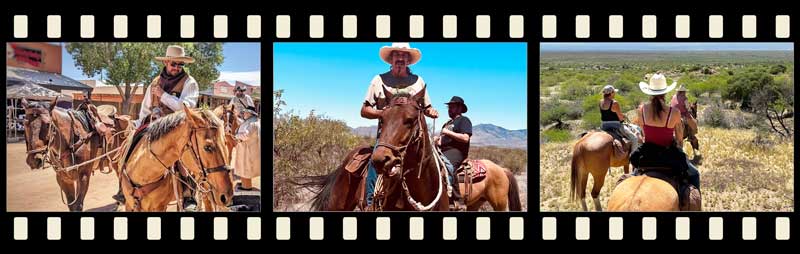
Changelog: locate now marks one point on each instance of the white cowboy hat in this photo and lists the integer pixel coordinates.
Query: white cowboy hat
(386, 52)
(176, 53)
(609, 88)
(657, 85)
(682, 88)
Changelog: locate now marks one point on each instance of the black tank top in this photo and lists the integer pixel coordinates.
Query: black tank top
(607, 114)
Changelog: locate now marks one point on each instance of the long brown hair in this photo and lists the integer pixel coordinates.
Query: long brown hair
(657, 105)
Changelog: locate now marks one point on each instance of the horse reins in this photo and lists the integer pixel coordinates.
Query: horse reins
(401, 151)
(169, 170)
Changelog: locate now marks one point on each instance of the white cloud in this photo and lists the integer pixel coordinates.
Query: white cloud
(250, 77)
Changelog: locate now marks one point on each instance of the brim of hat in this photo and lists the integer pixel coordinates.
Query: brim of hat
(182, 59)
(645, 89)
(615, 90)
(386, 53)
(452, 102)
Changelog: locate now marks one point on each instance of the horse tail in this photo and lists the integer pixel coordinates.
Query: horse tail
(514, 204)
(574, 172)
(321, 200)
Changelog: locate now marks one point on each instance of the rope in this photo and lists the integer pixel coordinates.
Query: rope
(417, 205)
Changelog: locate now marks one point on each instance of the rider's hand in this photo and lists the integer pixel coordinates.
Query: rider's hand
(157, 91)
(432, 113)
(437, 140)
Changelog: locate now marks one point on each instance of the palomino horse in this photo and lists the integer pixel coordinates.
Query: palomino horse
(64, 139)
(595, 153)
(197, 140)
(643, 193)
(411, 177)
(684, 132)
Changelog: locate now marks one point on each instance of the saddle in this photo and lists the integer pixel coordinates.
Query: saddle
(475, 169)
(621, 144)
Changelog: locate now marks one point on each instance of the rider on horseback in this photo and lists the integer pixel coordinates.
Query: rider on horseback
(612, 117)
(680, 101)
(398, 80)
(167, 93)
(454, 142)
(658, 122)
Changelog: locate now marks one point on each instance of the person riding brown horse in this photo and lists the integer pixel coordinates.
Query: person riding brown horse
(688, 128)
(399, 79)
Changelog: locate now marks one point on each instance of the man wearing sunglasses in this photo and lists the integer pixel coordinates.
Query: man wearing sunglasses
(171, 88)
(165, 95)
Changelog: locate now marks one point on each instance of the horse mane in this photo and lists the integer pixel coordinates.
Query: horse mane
(164, 125)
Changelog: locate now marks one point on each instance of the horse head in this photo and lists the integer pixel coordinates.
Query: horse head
(402, 123)
(209, 157)
(37, 125)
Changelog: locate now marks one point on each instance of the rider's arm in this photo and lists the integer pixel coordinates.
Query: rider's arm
(370, 112)
(189, 96)
(463, 131)
(616, 109)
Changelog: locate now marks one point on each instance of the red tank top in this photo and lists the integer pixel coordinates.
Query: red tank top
(661, 136)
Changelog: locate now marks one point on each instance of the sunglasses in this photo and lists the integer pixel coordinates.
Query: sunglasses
(176, 64)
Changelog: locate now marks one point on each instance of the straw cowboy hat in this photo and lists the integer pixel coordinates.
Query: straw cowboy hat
(682, 88)
(657, 85)
(176, 53)
(386, 52)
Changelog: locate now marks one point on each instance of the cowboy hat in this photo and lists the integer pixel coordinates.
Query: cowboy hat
(657, 85)
(386, 52)
(176, 53)
(682, 88)
(240, 88)
(609, 88)
(458, 100)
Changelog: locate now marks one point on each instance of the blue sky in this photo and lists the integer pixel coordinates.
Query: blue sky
(646, 46)
(242, 62)
(332, 79)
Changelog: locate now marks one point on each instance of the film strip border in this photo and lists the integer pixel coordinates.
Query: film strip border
(510, 27)
(406, 27)
(505, 227)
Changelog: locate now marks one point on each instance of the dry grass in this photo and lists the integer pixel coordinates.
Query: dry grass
(736, 174)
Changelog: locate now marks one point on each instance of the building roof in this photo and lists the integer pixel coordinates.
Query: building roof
(53, 81)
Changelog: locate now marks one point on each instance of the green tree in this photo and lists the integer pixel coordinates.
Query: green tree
(125, 64)
(741, 86)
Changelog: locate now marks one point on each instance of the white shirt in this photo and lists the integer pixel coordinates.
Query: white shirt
(189, 96)
(247, 100)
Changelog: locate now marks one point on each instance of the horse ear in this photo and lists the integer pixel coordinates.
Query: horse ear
(193, 119)
(388, 94)
(53, 104)
(24, 103)
(419, 95)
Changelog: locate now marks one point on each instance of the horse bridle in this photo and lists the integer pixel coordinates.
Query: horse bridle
(415, 136)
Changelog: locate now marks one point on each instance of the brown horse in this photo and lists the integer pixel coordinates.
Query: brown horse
(412, 180)
(63, 138)
(594, 153)
(196, 139)
(684, 132)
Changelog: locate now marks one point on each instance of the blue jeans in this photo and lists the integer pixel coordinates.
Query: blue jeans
(372, 177)
(451, 170)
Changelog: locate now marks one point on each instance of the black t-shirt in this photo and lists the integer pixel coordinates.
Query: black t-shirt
(454, 150)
